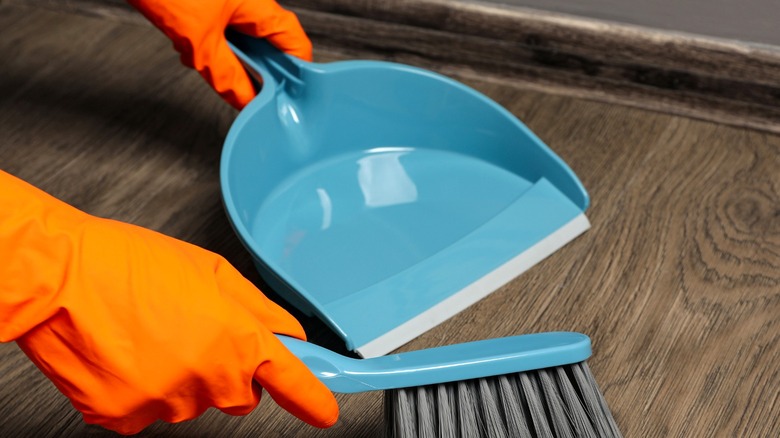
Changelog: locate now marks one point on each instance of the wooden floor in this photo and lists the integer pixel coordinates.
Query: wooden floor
(677, 283)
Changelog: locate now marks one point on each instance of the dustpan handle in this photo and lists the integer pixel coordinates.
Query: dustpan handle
(266, 64)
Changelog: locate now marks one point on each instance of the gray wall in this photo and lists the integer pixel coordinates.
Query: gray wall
(756, 21)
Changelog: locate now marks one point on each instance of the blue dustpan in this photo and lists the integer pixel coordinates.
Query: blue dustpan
(383, 198)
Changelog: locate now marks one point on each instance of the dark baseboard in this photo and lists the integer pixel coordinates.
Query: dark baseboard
(727, 82)
(723, 81)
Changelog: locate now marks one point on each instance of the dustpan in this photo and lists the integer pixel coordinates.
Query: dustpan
(385, 198)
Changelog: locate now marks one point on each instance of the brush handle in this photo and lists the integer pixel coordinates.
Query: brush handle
(450, 363)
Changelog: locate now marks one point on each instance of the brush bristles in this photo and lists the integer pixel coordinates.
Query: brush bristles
(554, 402)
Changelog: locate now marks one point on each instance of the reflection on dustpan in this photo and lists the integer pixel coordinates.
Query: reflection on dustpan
(385, 198)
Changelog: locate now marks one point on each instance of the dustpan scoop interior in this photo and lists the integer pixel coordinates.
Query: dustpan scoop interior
(384, 198)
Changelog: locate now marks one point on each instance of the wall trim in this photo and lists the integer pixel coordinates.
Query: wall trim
(719, 80)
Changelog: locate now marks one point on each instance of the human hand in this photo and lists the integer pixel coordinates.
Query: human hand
(134, 326)
(197, 29)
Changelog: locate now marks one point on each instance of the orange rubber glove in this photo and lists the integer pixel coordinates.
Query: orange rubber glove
(134, 326)
(197, 29)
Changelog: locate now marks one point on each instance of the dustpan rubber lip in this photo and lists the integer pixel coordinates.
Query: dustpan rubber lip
(472, 293)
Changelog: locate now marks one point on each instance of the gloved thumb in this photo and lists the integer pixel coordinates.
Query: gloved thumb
(220, 67)
(293, 387)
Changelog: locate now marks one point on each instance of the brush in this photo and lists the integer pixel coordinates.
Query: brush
(534, 385)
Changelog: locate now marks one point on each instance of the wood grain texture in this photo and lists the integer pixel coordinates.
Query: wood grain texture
(677, 283)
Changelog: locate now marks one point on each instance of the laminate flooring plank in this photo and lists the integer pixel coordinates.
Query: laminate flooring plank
(677, 282)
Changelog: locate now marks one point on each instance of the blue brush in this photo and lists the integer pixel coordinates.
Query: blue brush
(532, 385)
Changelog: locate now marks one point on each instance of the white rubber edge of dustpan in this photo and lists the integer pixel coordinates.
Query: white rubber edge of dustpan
(475, 291)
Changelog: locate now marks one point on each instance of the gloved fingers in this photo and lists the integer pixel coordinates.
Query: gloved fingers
(267, 19)
(130, 424)
(62, 362)
(120, 426)
(268, 314)
(293, 387)
(126, 392)
(165, 410)
(239, 399)
(220, 67)
(245, 409)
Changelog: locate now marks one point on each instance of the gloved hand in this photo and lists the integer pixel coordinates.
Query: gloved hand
(197, 29)
(133, 326)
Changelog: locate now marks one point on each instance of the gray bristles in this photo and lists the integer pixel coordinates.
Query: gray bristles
(555, 402)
